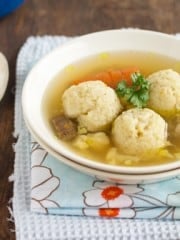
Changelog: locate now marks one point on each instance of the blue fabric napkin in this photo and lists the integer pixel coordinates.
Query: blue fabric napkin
(59, 189)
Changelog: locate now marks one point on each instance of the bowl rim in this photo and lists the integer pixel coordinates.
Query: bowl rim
(79, 159)
(150, 176)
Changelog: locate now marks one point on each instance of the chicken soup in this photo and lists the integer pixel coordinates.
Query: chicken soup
(118, 108)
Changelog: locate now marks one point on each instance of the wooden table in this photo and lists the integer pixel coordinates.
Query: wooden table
(65, 17)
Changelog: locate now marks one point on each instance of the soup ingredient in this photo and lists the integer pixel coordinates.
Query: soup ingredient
(65, 128)
(177, 130)
(97, 141)
(138, 130)
(165, 92)
(136, 94)
(164, 153)
(93, 104)
(4, 75)
(177, 155)
(114, 157)
(112, 77)
(174, 127)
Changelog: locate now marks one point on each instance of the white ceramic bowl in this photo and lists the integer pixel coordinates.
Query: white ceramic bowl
(45, 71)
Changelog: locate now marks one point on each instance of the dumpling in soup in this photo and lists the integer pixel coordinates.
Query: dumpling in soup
(165, 92)
(139, 130)
(93, 104)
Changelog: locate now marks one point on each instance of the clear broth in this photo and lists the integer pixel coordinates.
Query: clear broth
(147, 63)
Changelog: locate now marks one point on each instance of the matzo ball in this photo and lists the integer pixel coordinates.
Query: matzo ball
(93, 104)
(165, 92)
(138, 130)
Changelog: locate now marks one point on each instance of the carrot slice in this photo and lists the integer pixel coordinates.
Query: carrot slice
(111, 77)
(104, 76)
(126, 74)
(116, 77)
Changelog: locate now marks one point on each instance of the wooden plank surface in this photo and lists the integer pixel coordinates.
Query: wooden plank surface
(65, 17)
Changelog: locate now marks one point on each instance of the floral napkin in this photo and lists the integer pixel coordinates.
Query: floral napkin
(59, 189)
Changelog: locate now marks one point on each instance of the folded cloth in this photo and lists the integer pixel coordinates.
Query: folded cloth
(61, 191)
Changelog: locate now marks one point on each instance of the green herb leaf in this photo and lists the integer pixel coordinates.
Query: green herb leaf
(138, 93)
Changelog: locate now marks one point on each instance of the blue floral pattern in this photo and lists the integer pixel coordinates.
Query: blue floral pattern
(58, 189)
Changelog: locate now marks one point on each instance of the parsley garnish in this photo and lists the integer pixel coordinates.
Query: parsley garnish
(138, 93)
